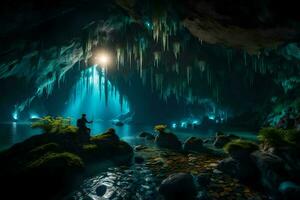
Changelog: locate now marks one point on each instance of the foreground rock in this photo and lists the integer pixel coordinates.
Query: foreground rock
(244, 171)
(193, 144)
(289, 190)
(168, 140)
(147, 135)
(272, 171)
(45, 165)
(178, 186)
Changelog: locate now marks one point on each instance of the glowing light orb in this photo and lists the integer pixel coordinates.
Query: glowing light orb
(34, 116)
(183, 125)
(174, 125)
(212, 117)
(103, 59)
(195, 122)
(15, 115)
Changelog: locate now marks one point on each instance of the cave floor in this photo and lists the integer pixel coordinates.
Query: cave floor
(164, 162)
(141, 181)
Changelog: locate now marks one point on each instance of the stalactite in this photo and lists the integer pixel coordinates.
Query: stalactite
(135, 52)
(201, 65)
(122, 58)
(189, 74)
(142, 47)
(157, 57)
(177, 68)
(118, 58)
(176, 49)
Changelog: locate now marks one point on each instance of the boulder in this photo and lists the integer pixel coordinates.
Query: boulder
(272, 170)
(240, 149)
(140, 147)
(168, 140)
(150, 137)
(178, 186)
(109, 136)
(244, 170)
(289, 190)
(144, 134)
(221, 141)
(193, 144)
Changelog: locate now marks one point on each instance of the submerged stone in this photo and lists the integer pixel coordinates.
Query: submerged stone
(178, 186)
(101, 190)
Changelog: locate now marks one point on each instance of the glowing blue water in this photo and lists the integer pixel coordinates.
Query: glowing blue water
(95, 96)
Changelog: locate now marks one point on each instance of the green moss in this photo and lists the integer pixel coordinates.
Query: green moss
(160, 128)
(50, 147)
(56, 125)
(279, 137)
(88, 147)
(292, 136)
(240, 145)
(64, 159)
(109, 136)
(272, 136)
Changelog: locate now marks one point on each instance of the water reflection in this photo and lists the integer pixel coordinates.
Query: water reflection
(117, 183)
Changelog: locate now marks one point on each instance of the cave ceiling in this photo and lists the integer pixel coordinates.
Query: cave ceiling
(191, 48)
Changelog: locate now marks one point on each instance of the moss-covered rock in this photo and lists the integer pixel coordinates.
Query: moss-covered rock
(109, 136)
(51, 161)
(272, 137)
(107, 146)
(193, 144)
(240, 149)
(221, 141)
(168, 140)
(63, 160)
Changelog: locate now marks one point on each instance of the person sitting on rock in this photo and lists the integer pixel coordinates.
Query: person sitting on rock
(81, 124)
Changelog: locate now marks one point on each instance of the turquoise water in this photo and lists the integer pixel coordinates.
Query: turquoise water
(14, 132)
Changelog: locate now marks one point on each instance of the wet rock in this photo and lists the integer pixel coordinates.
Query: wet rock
(245, 171)
(203, 180)
(289, 190)
(144, 134)
(168, 140)
(221, 141)
(101, 190)
(178, 186)
(109, 136)
(139, 147)
(240, 149)
(193, 144)
(139, 159)
(271, 168)
(150, 137)
(108, 145)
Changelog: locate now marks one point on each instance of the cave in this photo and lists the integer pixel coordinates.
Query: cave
(150, 100)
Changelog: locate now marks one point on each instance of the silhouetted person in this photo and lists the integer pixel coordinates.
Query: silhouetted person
(81, 124)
